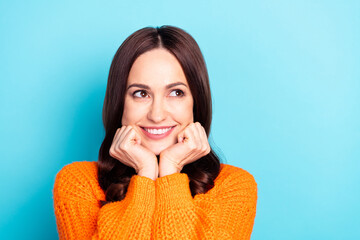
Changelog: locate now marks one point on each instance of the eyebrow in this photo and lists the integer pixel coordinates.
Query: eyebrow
(171, 85)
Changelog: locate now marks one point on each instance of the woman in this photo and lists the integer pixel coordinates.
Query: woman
(156, 177)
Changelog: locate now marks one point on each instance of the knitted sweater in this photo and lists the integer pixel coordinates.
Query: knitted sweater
(160, 209)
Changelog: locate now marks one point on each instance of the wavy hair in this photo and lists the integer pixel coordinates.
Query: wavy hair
(114, 176)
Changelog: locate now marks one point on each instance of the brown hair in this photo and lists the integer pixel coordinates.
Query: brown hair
(114, 176)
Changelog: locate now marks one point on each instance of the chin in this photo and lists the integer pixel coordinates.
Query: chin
(157, 149)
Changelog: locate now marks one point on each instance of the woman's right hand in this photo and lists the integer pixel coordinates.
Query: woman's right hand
(126, 147)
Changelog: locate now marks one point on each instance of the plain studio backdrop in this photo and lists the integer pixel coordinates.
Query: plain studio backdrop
(285, 80)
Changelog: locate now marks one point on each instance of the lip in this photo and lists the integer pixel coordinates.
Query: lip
(157, 136)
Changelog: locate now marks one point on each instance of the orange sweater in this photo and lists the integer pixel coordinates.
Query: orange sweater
(160, 209)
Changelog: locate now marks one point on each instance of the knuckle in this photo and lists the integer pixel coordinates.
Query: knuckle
(191, 146)
(111, 152)
(123, 146)
(208, 150)
(194, 147)
(203, 129)
(118, 131)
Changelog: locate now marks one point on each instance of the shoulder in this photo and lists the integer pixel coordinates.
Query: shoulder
(78, 179)
(77, 171)
(234, 173)
(232, 177)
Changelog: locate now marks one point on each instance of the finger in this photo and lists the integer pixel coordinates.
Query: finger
(181, 136)
(205, 140)
(184, 137)
(122, 136)
(118, 139)
(190, 138)
(126, 139)
(196, 133)
(131, 136)
(199, 129)
(202, 142)
(137, 134)
(122, 129)
(117, 133)
(115, 140)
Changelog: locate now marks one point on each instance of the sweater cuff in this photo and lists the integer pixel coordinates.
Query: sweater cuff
(141, 192)
(173, 191)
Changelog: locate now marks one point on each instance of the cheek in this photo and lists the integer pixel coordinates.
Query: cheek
(183, 112)
(130, 115)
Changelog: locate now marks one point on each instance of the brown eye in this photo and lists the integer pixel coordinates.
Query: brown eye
(177, 93)
(140, 94)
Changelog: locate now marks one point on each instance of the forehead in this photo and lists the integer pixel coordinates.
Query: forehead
(156, 68)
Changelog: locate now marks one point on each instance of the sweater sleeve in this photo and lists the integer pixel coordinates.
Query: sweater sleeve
(79, 215)
(226, 212)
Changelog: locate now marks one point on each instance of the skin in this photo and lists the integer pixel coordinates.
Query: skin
(158, 95)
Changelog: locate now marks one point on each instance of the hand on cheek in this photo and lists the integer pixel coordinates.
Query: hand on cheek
(192, 145)
(126, 147)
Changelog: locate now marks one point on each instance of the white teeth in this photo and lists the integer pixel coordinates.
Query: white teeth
(157, 131)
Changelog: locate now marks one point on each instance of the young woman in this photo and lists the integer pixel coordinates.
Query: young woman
(156, 177)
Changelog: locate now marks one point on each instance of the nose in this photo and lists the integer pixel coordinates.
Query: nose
(157, 112)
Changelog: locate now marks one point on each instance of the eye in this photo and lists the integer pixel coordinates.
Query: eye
(140, 94)
(177, 93)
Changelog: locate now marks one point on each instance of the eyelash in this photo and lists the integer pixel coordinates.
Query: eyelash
(143, 91)
(139, 91)
(178, 90)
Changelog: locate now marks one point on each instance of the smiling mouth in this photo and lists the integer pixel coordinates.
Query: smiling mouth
(157, 132)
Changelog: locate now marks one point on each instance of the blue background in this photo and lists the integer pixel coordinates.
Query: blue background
(285, 78)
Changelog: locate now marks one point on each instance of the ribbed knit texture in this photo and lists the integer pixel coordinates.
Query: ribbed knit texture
(160, 209)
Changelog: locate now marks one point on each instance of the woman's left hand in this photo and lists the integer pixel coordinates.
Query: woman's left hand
(192, 145)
